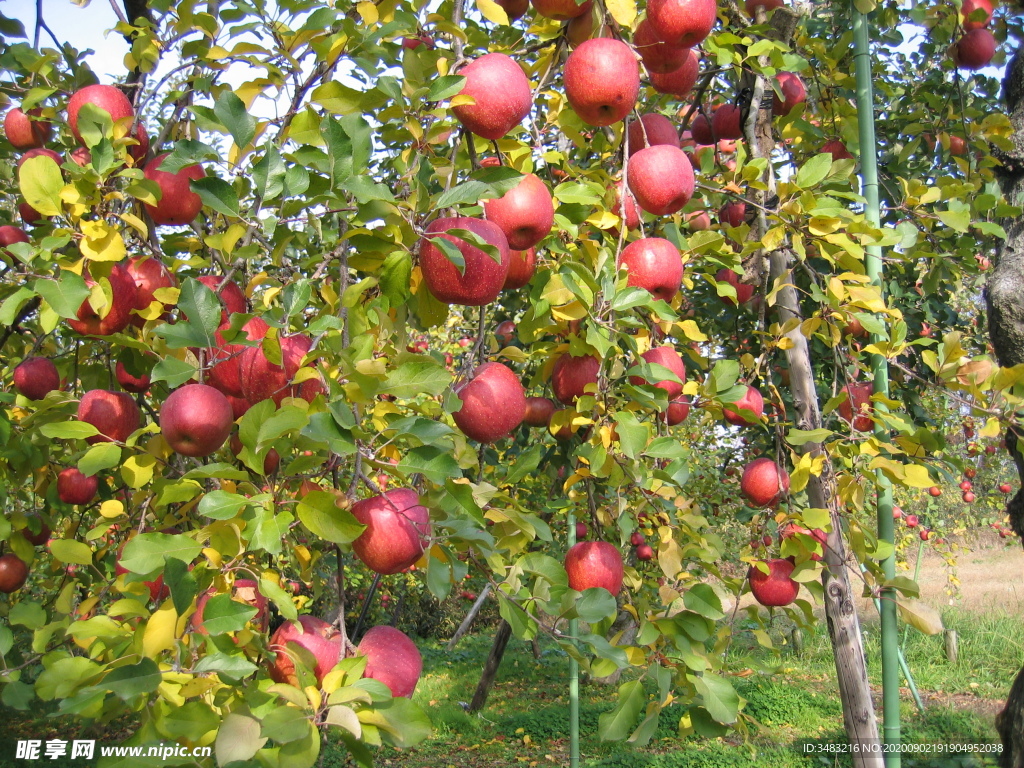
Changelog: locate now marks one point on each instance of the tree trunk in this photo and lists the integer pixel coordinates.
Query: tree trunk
(483, 688)
(470, 617)
(1004, 295)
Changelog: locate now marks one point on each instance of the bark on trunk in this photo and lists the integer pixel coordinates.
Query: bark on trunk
(483, 688)
(1004, 295)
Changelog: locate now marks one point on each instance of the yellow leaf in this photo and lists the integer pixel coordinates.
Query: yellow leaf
(603, 220)
(493, 12)
(572, 311)
(917, 476)
(692, 331)
(991, 428)
(40, 181)
(623, 11)
(111, 508)
(101, 242)
(162, 630)
(135, 223)
(368, 12)
(138, 470)
(462, 99)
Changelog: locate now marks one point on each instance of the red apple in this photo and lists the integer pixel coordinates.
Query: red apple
(661, 179)
(679, 82)
(581, 531)
(139, 151)
(968, 497)
(727, 122)
(764, 483)
(320, 639)
(115, 317)
(40, 152)
(682, 23)
(196, 420)
(935, 491)
(592, 564)
(40, 538)
(150, 275)
(538, 411)
(667, 357)
(412, 43)
(637, 538)
(107, 97)
(970, 472)
(493, 403)
(698, 221)
(231, 296)
(974, 50)
(9, 235)
(733, 214)
(130, 383)
(911, 521)
(36, 377)
(967, 13)
(644, 552)
(657, 55)
(650, 130)
(858, 400)
(514, 9)
(744, 291)
(397, 530)
(262, 379)
(505, 332)
(653, 264)
(483, 277)
(775, 588)
(627, 211)
(13, 573)
(391, 658)
(525, 214)
(1005, 488)
(583, 28)
(225, 372)
(273, 459)
(571, 375)
(965, 485)
(602, 81)
(521, 266)
(700, 130)
(502, 93)
(177, 204)
(793, 93)
(25, 133)
(751, 401)
(925, 534)
(837, 149)
(114, 414)
(75, 488)
(677, 412)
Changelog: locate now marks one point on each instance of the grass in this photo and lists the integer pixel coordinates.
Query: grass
(793, 711)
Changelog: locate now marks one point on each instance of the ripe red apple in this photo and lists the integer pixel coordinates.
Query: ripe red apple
(412, 43)
(627, 211)
(150, 275)
(493, 403)
(525, 214)
(751, 401)
(653, 264)
(793, 93)
(273, 459)
(637, 538)
(242, 591)
(36, 377)
(391, 658)
(397, 530)
(935, 491)
(114, 414)
(911, 521)
(538, 411)
(196, 420)
(661, 179)
(9, 235)
(968, 497)
(925, 534)
(837, 149)
(225, 373)
(680, 81)
(262, 379)
(130, 383)
(764, 483)
(521, 266)
(667, 357)
(583, 28)
(1005, 488)
(957, 146)
(594, 564)
(644, 552)
(560, 10)
(320, 639)
(698, 221)
(677, 412)
(75, 488)
(231, 296)
(733, 213)
(514, 9)
(40, 152)
(505, 332)
(967, 10)
(974, 50)
(650, 130)
(115, 317)
(775, 588)
(682, 23)
(657, 55)
(107, 97)
(700, 130)
(571, 375)
(25, 133)
(727, 122)
(581, 531)
(965, 485)
(502, 93)
(897, 512)
(744, 291)
(13, 573)
(177, 204)
(858, 400)
(768, 5)
(990, 449)
(602, 81)
(139, 151)
(483, 278)
(40, 538)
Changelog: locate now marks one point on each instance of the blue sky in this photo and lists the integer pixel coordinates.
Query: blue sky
(82, 27)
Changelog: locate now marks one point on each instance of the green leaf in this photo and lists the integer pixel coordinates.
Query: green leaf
(436, 464)
(445, 87)
(451, 252)
(230, 110)
(65, 294)
(68, 430)
(238, 739)
(633, 435)
(318, 512)
(174, 371)
(12, 304)
(269, 173)
(804, 436)
(187, 152)
(702, 599)
(287, 419)
(285, 724)
(70, 551)
(201, 311)
(273, 592)
(814, 171)
(402, 722)
(27, 614)
(720, 698)
(617, 724)
(295, 297)
(133, 680)
(525, 463)
(394, 276)
(222, 505)
(419, 375)
(595, 604)
(221, 614)
(232, 666)
(100, 456)
(40, 182)
(182, 583)
(957, 220)
(216, 194)
(146, 552)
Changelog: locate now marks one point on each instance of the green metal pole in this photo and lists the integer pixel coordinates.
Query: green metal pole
(574, 677)
(873, 264)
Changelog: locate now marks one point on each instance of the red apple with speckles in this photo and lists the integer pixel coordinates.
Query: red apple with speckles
(677, 412)
(776, 588)
(667, 357)
(602, 81)
(661, 179)
(107, 97)
(727, 122)
(525, 214)
(130, 382)
(150, 275)
(502, 94)
(753, 401)
(114, 414)
(75, 488)
(733, 214)
(650, 130)
(764, 483)
(25, 133)
(482, 278)
(196, 420)
(392, 659)
(320, 639)
(658, 56)
(793, 93)
(538, 411)
(36, 377)
(682, 23)
(493, 403)
(571, 375)
(654, 264)
(591, 564)
(116, 316)
(177, 203)
(521, 266)
(231, 296)
(967, 13)
(397, 530)
(974, 50)
(744, 291)
(679, 82)
(225, 373)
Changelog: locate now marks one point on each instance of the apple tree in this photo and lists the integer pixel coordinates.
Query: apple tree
(333, 294)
